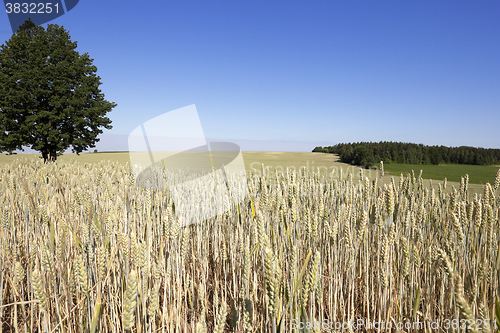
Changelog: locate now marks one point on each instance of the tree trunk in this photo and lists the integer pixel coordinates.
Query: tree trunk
(53, 155)
(45, 155)
(49, 155)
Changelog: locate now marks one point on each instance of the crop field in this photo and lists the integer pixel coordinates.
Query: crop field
(478, 175)
(85, 248)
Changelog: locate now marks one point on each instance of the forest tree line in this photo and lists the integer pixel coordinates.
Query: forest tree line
(369, 154)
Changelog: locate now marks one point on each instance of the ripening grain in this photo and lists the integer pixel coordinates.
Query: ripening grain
(82, 247)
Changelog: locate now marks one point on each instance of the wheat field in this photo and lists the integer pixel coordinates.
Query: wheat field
(84, 249)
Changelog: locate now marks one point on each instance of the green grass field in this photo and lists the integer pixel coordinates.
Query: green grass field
(478, 174)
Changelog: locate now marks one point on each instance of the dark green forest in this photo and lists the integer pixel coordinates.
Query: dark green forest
(369, 154)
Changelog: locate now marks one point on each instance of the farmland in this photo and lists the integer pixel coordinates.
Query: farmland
(479, 174)
(84, 248)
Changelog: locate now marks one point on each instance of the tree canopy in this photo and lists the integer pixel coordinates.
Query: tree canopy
(49, 94)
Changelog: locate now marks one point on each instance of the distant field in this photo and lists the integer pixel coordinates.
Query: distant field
(478, 174)
(253, 161)
(313, 161)
(87, 157)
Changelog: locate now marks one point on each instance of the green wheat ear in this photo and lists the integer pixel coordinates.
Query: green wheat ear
(18, 274)
(129, 301)
(38, 288)
(462, 302)
(81, 273)
(221, 318)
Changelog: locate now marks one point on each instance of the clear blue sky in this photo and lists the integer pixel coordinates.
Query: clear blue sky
(300, 71)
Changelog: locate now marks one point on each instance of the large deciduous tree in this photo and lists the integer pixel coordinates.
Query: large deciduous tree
(49, 94)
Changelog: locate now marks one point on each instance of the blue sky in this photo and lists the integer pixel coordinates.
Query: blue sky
(299, 73)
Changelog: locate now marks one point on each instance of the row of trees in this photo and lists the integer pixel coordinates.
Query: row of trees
(369, 154)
